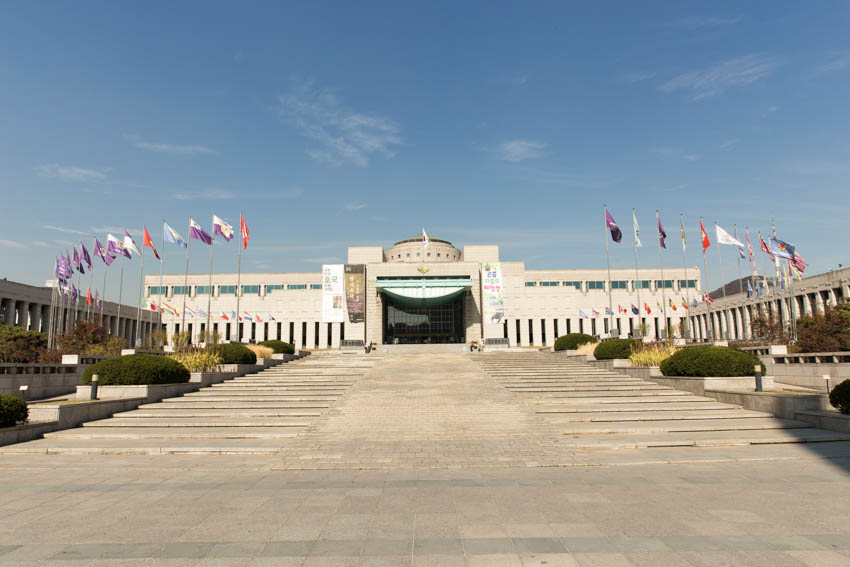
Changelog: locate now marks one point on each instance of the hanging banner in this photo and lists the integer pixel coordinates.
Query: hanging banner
(332, 293)
(355, 292)
(492, 301)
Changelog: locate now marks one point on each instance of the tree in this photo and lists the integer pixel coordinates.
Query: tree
(825, 332)
(769, 329)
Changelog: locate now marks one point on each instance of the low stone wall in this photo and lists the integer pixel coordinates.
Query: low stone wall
(41, 380)
(73, 414)
(25, 432)
(807, 370)
(786, 406)
(831, 420)
(700, 385)
(150, 393)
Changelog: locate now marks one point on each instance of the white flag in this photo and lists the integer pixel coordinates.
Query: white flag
(637, 230)
(424, 238)
(724, 237)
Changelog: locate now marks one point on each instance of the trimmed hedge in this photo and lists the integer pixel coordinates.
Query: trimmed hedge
(839, 397)
(279, 347)
(136, 369)
(233, 353)
(12, 410)
(709, 361)
(572, 341)
(614, 348)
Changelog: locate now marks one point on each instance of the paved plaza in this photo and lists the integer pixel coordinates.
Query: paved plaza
(430, 459)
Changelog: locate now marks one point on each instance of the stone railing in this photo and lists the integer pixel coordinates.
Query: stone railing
(38, 380)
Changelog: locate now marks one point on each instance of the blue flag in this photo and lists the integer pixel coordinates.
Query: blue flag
(635, 310)
(582, 314)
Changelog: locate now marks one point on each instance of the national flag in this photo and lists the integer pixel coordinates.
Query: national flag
(798, 263)
(684, 303)
(198, 233)
(201, 313)
(616, 233)
(97, 302)
(765, 248)
(646, 308)
(707, 298)
(425, 240)
(188, 311)
(89, 298)
(130, 244)
(582, 314)
(658, 306)
(247, 316)
(233, 316)
(682, 225)
(695, 303)
(271, 318)
(148, 241)
(153, 305)
(172, 236)
(102, 253)
(223, 315)
(636, 226)
(243, 228)
(608, 311)
(115, 246)
(661, 234)
(594, 312)
(672, 305)
(169, 308)
(741, 247)
(749, 290)
(760, 290)
(781, 249)
(705, 241)
(258, 318)
(222, 229)
(86, 257)
(750, 249)
(635, 309)
(724, 237)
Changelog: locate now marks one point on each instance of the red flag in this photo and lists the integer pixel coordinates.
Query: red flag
(645, 306)
(243, 228)
(149, 242)
(89, 298)
(766, 249)
(705, 241)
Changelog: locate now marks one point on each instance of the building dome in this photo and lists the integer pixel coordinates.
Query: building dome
(411, 250)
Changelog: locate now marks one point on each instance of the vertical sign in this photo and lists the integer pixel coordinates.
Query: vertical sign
(493, 303)
(332, 293)
(355, 292)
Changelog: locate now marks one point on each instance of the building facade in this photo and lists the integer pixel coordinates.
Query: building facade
(419, 294)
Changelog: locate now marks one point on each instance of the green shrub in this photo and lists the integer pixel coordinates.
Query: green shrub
(233, 353)
(137, 369)
(572, 341)
(18, 345)
(12, 410)
(279, 347)
(709, 361)
(614, 348)
(839, 397)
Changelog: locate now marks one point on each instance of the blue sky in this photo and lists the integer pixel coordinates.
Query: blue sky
(332, 124)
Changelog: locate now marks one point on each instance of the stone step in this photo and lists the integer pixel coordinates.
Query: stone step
(616, 401)
(678, 426)
(213, 412)
(227, 404)
(603, 417)
(512, 384)
(701, 406)
(610, 394)
(631, 388)
(200, 422)
(177, 433)
(262, 399)
(703, 439)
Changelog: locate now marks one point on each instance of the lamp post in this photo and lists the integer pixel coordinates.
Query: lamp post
(759, 387)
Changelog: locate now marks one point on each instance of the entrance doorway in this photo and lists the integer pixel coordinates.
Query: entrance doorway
(425, 323)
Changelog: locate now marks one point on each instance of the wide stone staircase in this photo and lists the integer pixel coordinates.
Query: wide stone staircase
(253, 414)
(590, 407)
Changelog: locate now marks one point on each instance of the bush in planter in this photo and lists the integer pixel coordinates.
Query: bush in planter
(709, 361)
(261, 351)
(12, 410)
(839, 397)
(614, 348)
(20, 346)
(572, 341)
(279, 347)
(233, 353)
(137, 369)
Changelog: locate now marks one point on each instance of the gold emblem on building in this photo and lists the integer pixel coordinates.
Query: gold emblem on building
(423, 270)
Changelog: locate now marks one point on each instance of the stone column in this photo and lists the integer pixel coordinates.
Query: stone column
(748, 322)
(523, 332)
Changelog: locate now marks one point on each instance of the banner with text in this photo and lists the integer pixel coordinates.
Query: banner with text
(332, 293)
(492, 300)
(355, 292)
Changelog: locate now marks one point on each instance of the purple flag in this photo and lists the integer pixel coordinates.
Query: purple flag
(661, 234)
(69, 271)
(86, 257)
(616, 233)
(102, 252)
(73, 293)
(59, 271)
(76, 258)
(97, 301)
(195, 231)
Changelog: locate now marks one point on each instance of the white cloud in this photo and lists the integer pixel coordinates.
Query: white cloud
(674, 153)
(838, 62)
(40, 243)
(717, 79)
(637, 77)
(728, 144)
(345, 135)
(225, 194)
(12, 244)
(323, 260)
(697, 22)
(184, 150)
(355, 206)
(118, 230)
(70, 172)
(211, 193)
(520, 150)
(64, 229)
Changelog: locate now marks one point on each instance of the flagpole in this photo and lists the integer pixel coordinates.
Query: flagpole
(186, 286)
(687, 287)
(723, 286)
(705, 283)
(161, 264)
(91, 283)
(239, 279)
(207, 338)
(50, 335)
(141, 290)
(740, 279)
(120, 296)
(663, 288)
(77, 302)
(637, 276)
(103, 301)
(608, 261)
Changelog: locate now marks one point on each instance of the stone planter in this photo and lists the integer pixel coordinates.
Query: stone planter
(699, 385)
(150, 393)
(73, 414)
(41, 380)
